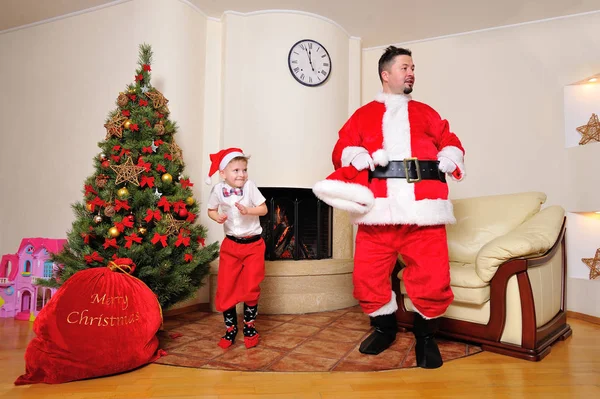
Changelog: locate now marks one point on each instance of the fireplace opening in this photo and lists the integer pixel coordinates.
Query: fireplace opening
(297, 226)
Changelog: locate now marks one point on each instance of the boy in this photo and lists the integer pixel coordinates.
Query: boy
(242, 253)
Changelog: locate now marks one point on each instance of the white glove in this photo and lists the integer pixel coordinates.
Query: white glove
(446, 165)
(363, 161)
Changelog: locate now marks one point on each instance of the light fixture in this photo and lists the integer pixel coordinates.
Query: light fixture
(592, 80)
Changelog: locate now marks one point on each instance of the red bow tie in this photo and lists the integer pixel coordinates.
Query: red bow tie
(233, 191)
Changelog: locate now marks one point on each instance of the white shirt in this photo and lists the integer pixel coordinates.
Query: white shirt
(237, 225)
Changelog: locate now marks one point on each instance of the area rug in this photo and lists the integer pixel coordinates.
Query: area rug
(325, 341)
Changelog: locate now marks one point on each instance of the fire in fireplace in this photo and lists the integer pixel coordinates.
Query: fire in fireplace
(298, 225)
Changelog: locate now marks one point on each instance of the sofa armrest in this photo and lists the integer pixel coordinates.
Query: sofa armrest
(532, 238)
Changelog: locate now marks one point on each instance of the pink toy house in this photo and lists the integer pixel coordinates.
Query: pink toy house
(20, 297)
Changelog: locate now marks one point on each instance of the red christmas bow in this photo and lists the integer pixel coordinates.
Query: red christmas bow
(94, 257)
(143, 103)
(201, 241)
(110, 242)
(152, 214)
(162, 238)
(123, 223)
(89, 189)
(188, 257)
(146, 165)
(178, 205)
(160, 168)
(164, 202)
(121, 205)
(181, 239)
(191, 217)
(185, 183)
(169, 157)
(131, 239)
(96, 202)
(147, 150)
(146, 67)
(147, 181)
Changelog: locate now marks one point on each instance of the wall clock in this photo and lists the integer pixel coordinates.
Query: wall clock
(309, 63)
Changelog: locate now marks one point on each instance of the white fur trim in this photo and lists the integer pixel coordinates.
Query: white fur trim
(350, 197)
(425, 317)
(228, 157)
(382, 97)
(427, 212)
(396, 130)
(349, 153)
(455, 154)
(208, 180)
(388, 308)
(380, 157)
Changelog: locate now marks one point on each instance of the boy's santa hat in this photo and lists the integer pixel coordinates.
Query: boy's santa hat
(220, 160)
(346, 189)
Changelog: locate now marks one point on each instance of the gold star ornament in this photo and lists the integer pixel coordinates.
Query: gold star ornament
(173, 225)
(593, 264)
(128, 172)
(591, 131)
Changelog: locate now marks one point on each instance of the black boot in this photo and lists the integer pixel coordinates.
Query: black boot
(383, 337)
(426, 349)
(230, 318)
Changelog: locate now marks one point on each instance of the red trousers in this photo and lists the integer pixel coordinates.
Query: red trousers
(424, 250)
(241, 270)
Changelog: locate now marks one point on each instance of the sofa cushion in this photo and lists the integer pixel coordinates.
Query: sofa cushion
(481, 219)
(472, 296)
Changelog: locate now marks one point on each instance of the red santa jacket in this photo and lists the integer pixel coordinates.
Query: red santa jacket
(394, 127)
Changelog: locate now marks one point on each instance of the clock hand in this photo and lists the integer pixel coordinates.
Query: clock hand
(310, 59)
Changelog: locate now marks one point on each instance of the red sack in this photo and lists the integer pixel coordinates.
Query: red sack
(100, 322)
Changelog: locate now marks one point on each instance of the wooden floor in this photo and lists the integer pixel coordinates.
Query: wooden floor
(572, 370)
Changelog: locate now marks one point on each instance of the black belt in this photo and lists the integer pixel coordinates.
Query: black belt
(245, 240)
(413, 168)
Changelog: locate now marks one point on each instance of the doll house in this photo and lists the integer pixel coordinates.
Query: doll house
(20, 297)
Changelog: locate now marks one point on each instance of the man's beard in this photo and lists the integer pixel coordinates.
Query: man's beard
(408, 90)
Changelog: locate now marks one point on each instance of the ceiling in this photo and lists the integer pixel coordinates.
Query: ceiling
(376, 22)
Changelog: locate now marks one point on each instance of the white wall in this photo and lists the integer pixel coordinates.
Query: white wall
(289, 129)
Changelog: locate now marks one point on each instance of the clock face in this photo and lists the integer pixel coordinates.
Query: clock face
(309, 63)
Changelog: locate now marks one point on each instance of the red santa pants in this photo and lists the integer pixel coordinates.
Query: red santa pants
(424, 250)
(241, 270)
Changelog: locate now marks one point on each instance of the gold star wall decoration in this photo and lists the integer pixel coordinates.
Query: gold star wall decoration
(128, 172)
(173, 225)
(591, 131)
(593, 264)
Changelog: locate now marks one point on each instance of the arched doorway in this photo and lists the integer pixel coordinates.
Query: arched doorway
(26, 302)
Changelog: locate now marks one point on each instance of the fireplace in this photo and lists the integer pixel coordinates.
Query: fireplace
(297, 226)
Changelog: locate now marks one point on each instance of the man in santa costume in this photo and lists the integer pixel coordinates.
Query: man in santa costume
(391, 161)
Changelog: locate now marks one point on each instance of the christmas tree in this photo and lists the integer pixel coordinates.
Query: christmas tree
(138, 204)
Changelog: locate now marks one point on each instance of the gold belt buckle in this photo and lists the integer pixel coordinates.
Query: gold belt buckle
(418, 168)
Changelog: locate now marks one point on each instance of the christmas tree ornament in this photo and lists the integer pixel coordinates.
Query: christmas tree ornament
(173, 225)
(189, 200)
(123, 192)
(128, 172)
(101, 181)
(176, 152)
(127, 123)
(142, 230)
(157, 194)
(183, 213)
(89, 207)
(158, 100)
(102, 157)
(131, 218)
(166, 178)
(159, 129)
(154, 146)
(122, 100)
(113, 232)
(114, 127)
(97, 219)
(109, 211)
(131, 90)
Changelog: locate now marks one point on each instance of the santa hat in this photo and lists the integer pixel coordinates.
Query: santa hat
(346, 189)
(220, 160)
